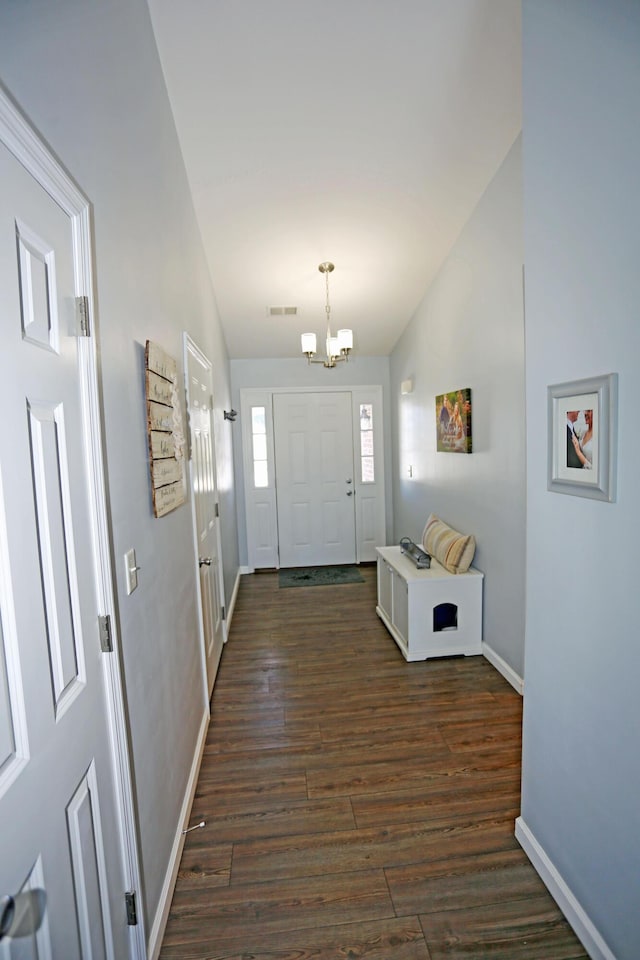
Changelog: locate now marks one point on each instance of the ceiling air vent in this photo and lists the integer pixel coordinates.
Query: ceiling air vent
(282, 311)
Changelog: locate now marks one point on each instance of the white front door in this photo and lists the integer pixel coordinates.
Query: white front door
(61, 851)
(205, 500)
(314, 478)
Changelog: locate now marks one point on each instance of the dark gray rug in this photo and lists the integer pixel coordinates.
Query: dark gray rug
(319, 576)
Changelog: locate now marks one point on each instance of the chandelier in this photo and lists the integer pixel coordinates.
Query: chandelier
(336, 348)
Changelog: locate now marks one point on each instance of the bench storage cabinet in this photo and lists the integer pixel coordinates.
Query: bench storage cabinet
(429, 613)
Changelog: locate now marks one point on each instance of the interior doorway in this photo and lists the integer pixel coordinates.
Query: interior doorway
(69, 859)
(205, 507)
(314, 475)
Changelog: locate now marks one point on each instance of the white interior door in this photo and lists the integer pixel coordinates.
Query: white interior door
(206, 510)
(59, 820)
(314, 478)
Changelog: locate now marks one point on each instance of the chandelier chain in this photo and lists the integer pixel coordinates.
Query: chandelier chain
(328, 307)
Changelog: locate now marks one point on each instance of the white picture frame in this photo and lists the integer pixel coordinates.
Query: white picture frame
(582, 422)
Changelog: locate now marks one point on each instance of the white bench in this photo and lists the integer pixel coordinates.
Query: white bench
(431, 612)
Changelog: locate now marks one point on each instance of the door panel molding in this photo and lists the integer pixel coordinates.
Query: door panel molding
(60, 599)
(90, 876)
(14, 754)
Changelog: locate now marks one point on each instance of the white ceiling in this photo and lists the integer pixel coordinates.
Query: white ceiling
(358, 131)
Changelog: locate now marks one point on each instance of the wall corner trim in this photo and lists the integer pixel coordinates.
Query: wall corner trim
(581, 923)
(166, 895)
(503, 667)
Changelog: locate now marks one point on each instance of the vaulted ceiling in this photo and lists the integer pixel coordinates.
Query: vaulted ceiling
(358, 131)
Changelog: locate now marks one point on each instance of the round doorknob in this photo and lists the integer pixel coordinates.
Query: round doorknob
(204, 561)
(7, 913)
(349, 493)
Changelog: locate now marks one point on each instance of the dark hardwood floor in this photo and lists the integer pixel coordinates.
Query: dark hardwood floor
(356, 805)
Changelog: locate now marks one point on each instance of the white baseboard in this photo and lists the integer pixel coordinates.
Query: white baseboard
(166, 895)
(577, 917)
(503, 667)
(234, 597)
(244, 570)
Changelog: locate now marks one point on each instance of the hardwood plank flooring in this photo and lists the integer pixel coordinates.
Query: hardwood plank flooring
(356, 805)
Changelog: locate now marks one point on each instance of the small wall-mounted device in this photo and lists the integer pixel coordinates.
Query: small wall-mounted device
(230, 415)
(406, 387)
(131, 570)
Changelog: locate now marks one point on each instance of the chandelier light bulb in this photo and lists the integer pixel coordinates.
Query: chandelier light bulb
(333, 350)
(308, 342)
(345, 339)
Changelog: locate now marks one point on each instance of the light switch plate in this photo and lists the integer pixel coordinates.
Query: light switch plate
(131, 570)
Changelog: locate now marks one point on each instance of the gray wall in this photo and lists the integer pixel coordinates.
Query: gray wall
(581, 762)
(89, 78)
(359, 371)
(468, 332)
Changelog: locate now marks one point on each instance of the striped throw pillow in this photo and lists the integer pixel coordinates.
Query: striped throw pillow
(452, 549)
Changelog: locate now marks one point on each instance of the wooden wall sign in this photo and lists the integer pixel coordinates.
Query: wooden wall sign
(164, 429)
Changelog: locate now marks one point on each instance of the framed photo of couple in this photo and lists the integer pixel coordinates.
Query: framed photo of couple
(582, 419)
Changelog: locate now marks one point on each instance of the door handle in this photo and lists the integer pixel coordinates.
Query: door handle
(7, 913)
(349, 493)
(204, 561)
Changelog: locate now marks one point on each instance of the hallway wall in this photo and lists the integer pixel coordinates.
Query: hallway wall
(581, 764)
(468, 332)
(88, 77)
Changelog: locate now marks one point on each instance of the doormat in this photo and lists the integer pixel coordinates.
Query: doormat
(318, 576)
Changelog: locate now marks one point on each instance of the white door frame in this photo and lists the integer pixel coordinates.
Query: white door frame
(189, 345)
(21, 140)
(261, 504)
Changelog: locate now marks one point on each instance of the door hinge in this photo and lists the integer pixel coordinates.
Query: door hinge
(106, 641)
(82, 316)
(224, 613)
(132, 910)
(217, 509)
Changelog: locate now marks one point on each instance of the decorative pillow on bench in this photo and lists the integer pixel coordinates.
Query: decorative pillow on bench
(452, 549)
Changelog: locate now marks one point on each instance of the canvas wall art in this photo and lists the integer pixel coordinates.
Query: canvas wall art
(453, 421)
